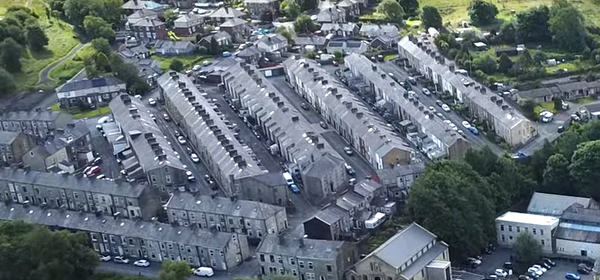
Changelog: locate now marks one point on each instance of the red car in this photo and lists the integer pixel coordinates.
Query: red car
(93, 171)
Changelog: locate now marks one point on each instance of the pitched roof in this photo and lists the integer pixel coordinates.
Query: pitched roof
(554, 204)
(378, 29)
(312, 249)
(65, 136)
(347, 3)
(310, 40)
(7, 137)
(89, 222)
(330, 14)
(59, 181)
(366, 187)
(89, 84)
(346, 27)
(323, 165)
(43, 115)
(174, 45)
(232, 22)
(404, 245)
(226, 12)
(331, 214)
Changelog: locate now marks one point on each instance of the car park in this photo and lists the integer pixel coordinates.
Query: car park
(572, 276)
(426, 92)
(181, 140)
(121, 259)
(195, 158)
(142, 263)
(446, 108)
(105, 258)
(348, 151)
(294, 188)
(151, 101)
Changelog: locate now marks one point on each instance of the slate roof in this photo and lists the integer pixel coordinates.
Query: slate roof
(89, 222)
(404, 245)
(136, 129)
(70, 182)
(339, 102)
(378, 29)
(535, 93)
(203, 131)
(249, 52)
(323, 165)
(295, 138)
(88, 84)
(331, 214)
(142, 14)
(310, 40)
(7, 137)
(65, 136)
(330, 14)
(391, 174)
(346, 3)
(432, 124)
(332, 27)
(225, 12)
(424, 260)
(43, 115)
(350, 46)
(232, 22)
(313, 248)
(224, 206)
(554, 204)
(169, 46)
(366, 187)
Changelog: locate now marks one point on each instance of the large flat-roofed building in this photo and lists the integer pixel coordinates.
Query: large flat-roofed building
(308, 155)
(252, 218)
(153, 241)
(79, 193)
(220, 151)
(367, 133)
(577, 235)
(420, 53)
(433, 136)
(511, 224)
(153, 157)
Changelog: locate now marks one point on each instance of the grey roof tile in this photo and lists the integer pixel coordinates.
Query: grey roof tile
(404, 245)
(554, 204)
(312, 249)
(7, 137)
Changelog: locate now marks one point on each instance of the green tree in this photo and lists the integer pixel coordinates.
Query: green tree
(36, 38)
(527, 249)
(430, 17)
(539, 57)
(444, 200)
(308, 5)
(482, 12)
(101, 45)
(486, 63)
(391, 10)
(170, 16)
(174, 270)
(584, 166)
(557, 103)
(266, 16)
(7, 82)
(77, 10)
(556, 176)
(411, 7)
(508, 31)
(288, 33)
(11, 55)
(568, 142)
(533, 25)
(214, 47)
(290, 8)
(96, 27)
(525, 59)
(128, 73)
(504, 63)
(33, 252)
(303, 24)
(176, 65)
(310, 55)
(566, 24)
(339, 55)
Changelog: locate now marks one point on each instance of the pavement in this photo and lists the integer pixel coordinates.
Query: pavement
(44, 73)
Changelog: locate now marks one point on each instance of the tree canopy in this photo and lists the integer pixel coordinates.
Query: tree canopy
(391, 10)
(304, 24)
(174, 270)
(176, 65)
(482, 12)
(527, 249)
(566, 24)
(290, 8)
(430, 17)
(96, 27)
(411, 7)
(10, 52)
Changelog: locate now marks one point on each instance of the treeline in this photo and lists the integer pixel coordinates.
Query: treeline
(19, 31)
(94, 18)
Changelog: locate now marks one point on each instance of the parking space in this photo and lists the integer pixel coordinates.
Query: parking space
(109, 166)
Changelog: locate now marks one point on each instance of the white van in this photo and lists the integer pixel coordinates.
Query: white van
(204, 271)
(288, 178)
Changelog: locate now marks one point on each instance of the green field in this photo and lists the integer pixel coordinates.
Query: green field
(62, 40)
(188, 61)
(70, 67)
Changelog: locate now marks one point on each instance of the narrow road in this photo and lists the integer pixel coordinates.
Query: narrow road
(44, 73)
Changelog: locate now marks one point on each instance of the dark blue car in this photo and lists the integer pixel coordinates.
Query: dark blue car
(572, 276)
(474, 130)
(294, 188)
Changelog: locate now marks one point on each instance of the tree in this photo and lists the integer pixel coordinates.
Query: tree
(339, 55)
(566, 24)
(557, 103)
(36, 38)
(308, 5)
(176, 65)
(508, 31)
(430, 17)
(584, 166)
(525, 59)
(539, 57)
(445, 199)
(304, 24)
(96, 27)
(556, 176)
(214, 47)
(310, 55)
(101, 45)
(266, 16)
(391, 10)
(482, 13)
(411, 7)
(11, 55)
(77, 10)
(287, 33)
(7, 81)
(290, 8)
(34, 252)
(533, 25)
(170, 16)
(504, 63)
(174, 270)
(486, 63)
(128, 73)
(527, 249)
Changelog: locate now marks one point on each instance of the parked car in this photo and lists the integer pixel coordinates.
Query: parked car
(142, 263)
(412, 80)
(500, 273)
(439, 103)
(535, 270)
(207, 178)
(151, 101)
(446, 108)
(539, 267)
(508, 265)
(348, 151)
(549, 261)
(153, 117)
(432, 109)
(323, 125)
(572, 276)
(97, 161)
(95, 170)
(177, 134)
(524, 277)
(304, 106)
(583, 268)
(474, 130)
(195, 158)
(349, 169)
(121, 259)
(181, 140)
(105, 258)
(544, 265)
(560, 129)
(532, 275)
(473, 261)
(104, 119)
(204, 271)
(426, 92)
(294, 188)
(190, 176)
(166, 117)
(466, 124)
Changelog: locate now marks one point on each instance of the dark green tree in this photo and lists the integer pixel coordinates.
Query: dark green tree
(527, 249)
(430, 17)
(36, 38)
(392, 11)
(533, 25)
(290, 8)
(7, 82)
(486, 63)
(567, 143)
(557, 103)
(482, 12)
(584, 167)
(410, 7)
(176, 65)
(504, 63)
(214, 47)
(539, 57)
(304, 24)
(174, 270)
(308, 5)
(567, 26)
(339, 55)
(557, 178)
(508, 32)
(96, 27)
(170, 16)
(101, 45)
(11, 55)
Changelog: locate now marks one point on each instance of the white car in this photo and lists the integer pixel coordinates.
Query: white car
(196, 68)
(500, 273)
(466, 124)
(535, 270)
(105, 258)
(453, 127)
(151, 101)
(426, 92)
(204, 271)
(142, 263)
(181, 140)
(446, 108)
(195, 158)
(121, 259)
(138, 96)
(177, 154)
(539, 267)
(104, 119)
(448, 121)
(432, 109)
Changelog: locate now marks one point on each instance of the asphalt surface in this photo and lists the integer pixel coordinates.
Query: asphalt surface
(475, 140)
(44, 74)
(109, 166)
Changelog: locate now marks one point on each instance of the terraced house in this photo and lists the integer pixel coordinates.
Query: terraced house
(309, 157)
(367, 133)
(426, 130)
(421, 54)
(149, 155)
(79, 193)
(252, 218)
(155, 242)
(228, 161)
(37, 123)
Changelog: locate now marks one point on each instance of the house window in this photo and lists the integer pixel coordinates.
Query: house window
(541, 232)
(168, 178)
(543, 242)
(292, 261)
(24, 189)
(272, 258)
(294, 272)
(301, 264)
(584, 253)
(501, 227)
(518, 229)
(533, 230)
(510, 237)
(310, 276)
(310, 265)
(329, 269)
(231, 221)
(280, 260)
(509, 228)
(503, 238)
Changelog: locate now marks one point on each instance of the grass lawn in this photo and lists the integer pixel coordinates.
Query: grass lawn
(546, 105)
(80, 115)
(61, 41)
(390, 57)
(413, 23)
(71, 67)
(585, 100)
(188, 61)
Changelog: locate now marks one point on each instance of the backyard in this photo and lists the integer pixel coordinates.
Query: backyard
(61, 40)
(188, 61)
